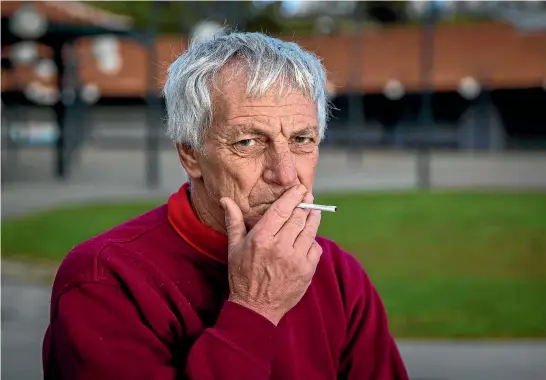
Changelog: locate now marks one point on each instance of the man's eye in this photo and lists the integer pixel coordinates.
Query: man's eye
(302, 140)
(246, 142)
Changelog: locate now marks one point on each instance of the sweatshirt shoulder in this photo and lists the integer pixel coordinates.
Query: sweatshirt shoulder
(339, 258)
(353, 282)
(350, 275)
(86, 262)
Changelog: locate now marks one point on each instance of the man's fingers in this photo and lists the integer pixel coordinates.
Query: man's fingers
(296, 223)
(314, 254)
(281, 210)
(235, 224)
(307, 236)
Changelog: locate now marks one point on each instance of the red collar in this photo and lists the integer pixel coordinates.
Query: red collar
(201, 237)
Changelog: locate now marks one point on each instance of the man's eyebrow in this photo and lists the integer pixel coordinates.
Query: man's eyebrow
(242, 129)
(305, 131)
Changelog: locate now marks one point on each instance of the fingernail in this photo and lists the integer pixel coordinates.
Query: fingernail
(302, 189)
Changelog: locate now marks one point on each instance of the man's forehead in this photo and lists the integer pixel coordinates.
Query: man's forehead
(259, 128)
(235, 110)
(231, 83)
(232, 73)
(235, 102)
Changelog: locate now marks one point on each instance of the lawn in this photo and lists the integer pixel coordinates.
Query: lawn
(447, 264)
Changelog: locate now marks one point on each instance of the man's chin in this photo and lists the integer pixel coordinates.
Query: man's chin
(251, 221)
(249, 226)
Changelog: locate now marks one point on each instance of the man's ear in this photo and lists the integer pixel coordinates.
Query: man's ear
(188, 159)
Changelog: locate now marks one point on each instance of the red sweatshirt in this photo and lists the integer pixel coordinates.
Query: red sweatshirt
(147, 300)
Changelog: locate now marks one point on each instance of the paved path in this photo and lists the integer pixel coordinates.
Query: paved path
(110, 174)
(496, 360)
(25, 308)
(106, 175)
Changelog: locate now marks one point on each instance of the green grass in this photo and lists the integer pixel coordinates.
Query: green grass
(447, 264)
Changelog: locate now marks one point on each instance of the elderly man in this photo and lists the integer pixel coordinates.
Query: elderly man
(228, 280)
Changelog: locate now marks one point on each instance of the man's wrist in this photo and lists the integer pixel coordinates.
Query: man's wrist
(273, 317)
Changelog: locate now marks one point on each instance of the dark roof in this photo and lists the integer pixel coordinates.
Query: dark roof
(67, 20)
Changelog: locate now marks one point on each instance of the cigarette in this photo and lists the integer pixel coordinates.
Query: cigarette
(312, 206)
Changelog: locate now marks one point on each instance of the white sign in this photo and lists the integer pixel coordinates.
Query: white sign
(34, 133)
(205, 31)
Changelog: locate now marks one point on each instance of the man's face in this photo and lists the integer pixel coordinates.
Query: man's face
(257, 149)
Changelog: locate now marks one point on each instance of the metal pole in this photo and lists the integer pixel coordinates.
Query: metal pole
(426, 118)
(65, 58)
(356, 115)
(75, 108)
(60, 114)
(152, 141)
(356, 111)
(427, 65)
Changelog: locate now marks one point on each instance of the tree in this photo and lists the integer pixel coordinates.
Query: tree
(181, 16)
(386, 12)
(266, 18)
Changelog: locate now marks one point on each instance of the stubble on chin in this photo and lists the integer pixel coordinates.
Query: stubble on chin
(253, 217)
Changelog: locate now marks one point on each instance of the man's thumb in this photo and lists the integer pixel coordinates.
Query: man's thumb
(235, 224)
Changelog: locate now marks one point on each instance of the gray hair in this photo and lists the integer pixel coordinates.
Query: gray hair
(268, 62)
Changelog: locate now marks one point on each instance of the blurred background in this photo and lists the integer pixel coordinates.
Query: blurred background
(435, 155)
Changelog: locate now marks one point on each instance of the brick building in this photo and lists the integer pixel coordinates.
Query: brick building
(494, 53)
(509, 63)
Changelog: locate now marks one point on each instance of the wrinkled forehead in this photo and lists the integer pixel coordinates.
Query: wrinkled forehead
(235, 80)
(281, 107)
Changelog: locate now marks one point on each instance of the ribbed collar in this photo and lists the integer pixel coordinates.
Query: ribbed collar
(201, 237)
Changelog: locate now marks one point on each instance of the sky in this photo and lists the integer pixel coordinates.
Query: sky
(288, 6)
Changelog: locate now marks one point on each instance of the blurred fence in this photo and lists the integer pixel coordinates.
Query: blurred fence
(470, 88)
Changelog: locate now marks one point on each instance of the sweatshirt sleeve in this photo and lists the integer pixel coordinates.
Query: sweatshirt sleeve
(241, 345)
(370, 351)
(98, 333)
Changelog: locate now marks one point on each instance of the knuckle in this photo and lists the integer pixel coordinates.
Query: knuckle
(305, 266)
(257, 242)
(298, 222)
(309, 272)
(316, 250)
(279, 212)
(278, 245)
(309, 232)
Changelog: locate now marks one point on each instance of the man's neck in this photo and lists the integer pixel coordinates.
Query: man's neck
(207, 211)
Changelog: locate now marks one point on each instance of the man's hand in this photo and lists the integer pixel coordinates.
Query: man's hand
(271, 267)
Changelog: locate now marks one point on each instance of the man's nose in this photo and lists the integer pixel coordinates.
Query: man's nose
(281, 169)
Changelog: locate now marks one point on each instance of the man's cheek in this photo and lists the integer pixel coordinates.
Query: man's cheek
(306, 168)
